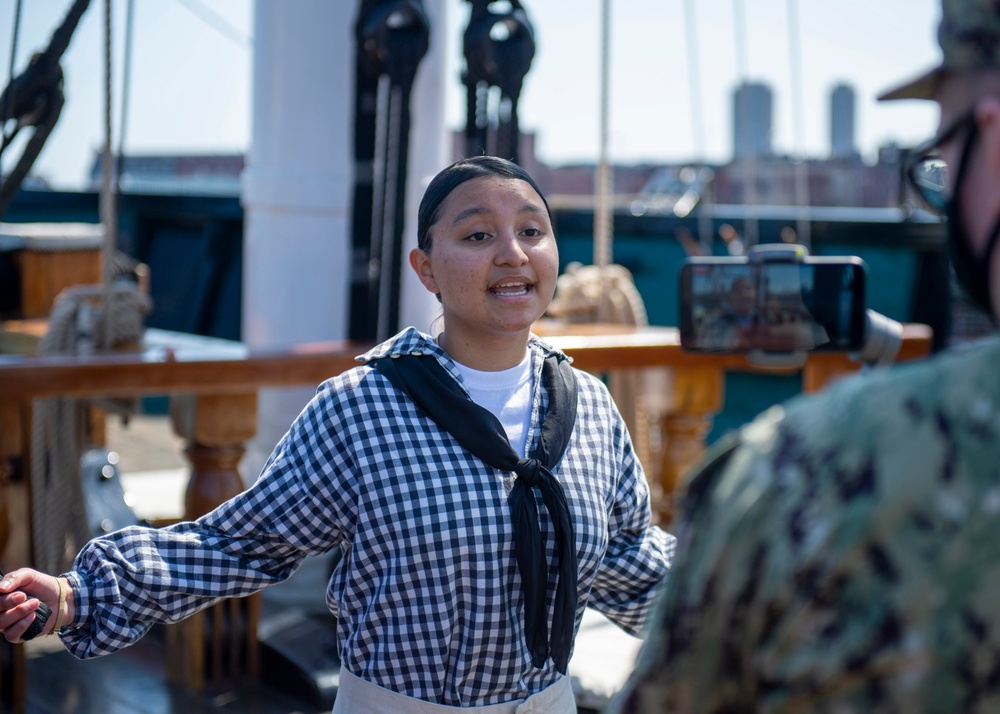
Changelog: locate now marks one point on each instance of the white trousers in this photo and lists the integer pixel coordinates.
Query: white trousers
(356, 696)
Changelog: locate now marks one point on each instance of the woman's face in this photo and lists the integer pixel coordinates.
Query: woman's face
(493, 260)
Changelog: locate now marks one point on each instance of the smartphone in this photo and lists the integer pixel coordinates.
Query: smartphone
(739, 305)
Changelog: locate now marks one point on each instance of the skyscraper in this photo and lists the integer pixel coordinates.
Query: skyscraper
(842, 122)
(752, 119)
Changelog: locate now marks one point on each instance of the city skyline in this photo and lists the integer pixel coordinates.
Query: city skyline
(753, 122)
(193, 96)
(842, 121)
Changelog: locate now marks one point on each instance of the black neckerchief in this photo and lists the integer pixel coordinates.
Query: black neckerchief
(437, 393)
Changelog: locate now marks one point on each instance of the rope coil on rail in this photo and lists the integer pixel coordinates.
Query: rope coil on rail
(80, 323)
(607, 294)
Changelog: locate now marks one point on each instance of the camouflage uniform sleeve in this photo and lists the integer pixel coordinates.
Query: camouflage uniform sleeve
(842, 559)
(741, 621)
(694, 656)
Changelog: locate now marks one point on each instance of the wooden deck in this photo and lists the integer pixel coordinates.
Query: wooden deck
(133, 681)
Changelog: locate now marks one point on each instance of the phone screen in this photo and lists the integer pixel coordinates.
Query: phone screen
(734, 305)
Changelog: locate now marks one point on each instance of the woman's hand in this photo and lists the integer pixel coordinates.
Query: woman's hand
(21, 592)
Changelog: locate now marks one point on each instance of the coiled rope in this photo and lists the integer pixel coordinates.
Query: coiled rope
(79, 324)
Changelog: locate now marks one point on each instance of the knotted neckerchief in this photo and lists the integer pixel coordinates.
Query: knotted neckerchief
(437, 393)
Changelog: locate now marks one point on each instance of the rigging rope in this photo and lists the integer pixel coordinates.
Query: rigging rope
(217, 22)
(108, 210)
(803, 231)
(694, 80)
(126, 83)
(750, 175)
(603, 218)
(392, 37)
(35, 99)
(15, 34)
(698, 124)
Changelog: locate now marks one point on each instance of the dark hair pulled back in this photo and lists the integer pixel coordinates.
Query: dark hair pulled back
(458, 173)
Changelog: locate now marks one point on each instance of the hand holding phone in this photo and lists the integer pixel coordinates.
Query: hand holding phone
(42, 615)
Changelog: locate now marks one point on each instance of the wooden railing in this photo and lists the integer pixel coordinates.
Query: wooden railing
(217, 396)
(219, 392)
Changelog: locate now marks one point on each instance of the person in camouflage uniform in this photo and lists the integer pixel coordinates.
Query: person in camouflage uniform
(842, 552)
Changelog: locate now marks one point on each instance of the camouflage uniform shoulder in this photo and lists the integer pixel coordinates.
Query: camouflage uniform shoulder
(870, 515)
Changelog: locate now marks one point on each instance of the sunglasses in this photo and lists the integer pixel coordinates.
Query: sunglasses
(927, 173)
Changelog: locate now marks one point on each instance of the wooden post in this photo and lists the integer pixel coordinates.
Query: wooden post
(822, 369)
(696, 396)
(10, 449)
(12, 679)
(219, 643)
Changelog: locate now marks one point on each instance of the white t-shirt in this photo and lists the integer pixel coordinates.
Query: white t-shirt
(507, 395)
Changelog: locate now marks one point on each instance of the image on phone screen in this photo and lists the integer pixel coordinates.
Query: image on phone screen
(733, 305)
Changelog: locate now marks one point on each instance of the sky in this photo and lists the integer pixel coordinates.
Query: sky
(673, 65)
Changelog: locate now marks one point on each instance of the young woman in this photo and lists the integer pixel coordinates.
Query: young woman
(462, 583)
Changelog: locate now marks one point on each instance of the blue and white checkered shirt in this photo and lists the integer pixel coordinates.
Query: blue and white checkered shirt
(427, 592)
